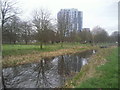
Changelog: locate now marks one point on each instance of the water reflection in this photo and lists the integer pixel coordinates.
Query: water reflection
(47, 73)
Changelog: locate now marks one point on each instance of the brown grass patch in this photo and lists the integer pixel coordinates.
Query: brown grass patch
(36, 57)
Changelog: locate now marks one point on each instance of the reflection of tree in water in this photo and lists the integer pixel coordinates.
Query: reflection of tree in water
(16, 71)
(42, 80)
(3, 86)
(63, 69)
(47, 73)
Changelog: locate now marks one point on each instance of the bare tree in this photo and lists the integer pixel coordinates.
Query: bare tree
(114, 37)
(100, 35)
(85, 36)
(72, 37)
(63, 25)
(8, 10)
(12, 30)
(26, 31)
(41, 21)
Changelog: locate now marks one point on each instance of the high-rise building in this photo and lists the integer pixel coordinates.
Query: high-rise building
(71, 18)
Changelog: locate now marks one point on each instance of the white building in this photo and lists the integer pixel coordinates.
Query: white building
(72, 18)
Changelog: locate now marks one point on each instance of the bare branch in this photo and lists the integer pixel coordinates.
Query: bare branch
(8, 10)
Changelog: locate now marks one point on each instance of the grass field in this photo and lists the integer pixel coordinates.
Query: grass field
(21, 54)
(99, 74)
(9, 50)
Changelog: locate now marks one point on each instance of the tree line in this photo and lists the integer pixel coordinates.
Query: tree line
(43, 29)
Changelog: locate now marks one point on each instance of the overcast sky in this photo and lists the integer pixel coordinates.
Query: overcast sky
(95, 12)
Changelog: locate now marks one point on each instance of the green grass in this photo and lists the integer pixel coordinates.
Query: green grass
(109, 74)
(14, 55)
(9, 50)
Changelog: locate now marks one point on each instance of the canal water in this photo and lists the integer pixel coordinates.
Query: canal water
(48, 73)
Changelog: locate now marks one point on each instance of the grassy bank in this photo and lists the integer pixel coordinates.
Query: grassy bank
(9, 50)
(101, 72)
(22, 54)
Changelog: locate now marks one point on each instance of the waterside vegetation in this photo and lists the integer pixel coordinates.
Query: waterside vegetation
(101, 72)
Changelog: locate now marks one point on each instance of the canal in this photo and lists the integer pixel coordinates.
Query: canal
(48, 73)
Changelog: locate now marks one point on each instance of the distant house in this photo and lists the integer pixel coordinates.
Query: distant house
(86, 29)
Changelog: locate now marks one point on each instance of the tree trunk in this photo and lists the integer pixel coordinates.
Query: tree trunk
(10, 41)
(14, 42)
(2, 23)
(26, 42)
(62, 39)
(41, 45)
(3, 83)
